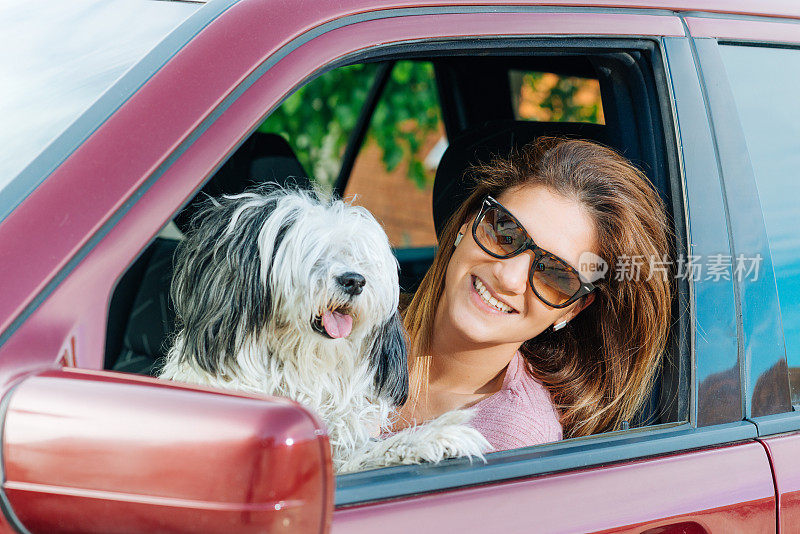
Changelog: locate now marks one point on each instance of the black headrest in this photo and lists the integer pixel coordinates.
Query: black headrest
(493, 139)
(264, 157)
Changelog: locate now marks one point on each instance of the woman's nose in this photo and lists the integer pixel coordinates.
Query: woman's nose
(512, 273)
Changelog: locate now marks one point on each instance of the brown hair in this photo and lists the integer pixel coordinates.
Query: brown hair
(599, 368)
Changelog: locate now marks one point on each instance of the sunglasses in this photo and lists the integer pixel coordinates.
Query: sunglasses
(501, 235)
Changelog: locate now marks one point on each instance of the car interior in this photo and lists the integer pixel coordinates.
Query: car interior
(479, 122)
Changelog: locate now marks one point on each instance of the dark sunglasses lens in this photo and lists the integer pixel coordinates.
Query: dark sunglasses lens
(498, 233)
(554, 281)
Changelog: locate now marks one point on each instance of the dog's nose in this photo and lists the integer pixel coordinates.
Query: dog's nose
(352, 283)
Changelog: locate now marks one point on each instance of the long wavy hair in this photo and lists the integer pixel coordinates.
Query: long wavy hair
(600, 368)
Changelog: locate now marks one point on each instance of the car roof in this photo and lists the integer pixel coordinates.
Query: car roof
(772, 8)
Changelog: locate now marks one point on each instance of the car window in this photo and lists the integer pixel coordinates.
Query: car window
(764, 82)
(394, 170)
(56, 63)
(546, 96)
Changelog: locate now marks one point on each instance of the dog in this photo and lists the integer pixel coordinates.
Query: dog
(280, 293)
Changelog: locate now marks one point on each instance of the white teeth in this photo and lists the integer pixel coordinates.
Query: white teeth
(489, 299)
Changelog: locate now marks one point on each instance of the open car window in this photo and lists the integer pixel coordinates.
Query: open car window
(407, 109)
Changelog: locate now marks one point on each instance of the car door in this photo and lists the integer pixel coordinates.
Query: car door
(748, 66)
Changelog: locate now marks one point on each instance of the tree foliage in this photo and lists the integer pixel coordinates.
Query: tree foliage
(406, 115)
(319, 117)
(545, 96)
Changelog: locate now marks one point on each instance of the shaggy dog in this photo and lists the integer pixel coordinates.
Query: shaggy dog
(280, 293)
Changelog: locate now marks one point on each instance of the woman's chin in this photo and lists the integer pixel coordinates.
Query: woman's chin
(472, 319)
(474, 324)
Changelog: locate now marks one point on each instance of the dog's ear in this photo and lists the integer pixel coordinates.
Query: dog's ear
(216, 288)
(390, 359)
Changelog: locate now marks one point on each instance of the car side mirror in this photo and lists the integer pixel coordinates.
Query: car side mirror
(96, 451)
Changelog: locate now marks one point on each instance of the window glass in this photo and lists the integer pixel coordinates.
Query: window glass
(545, 96)
(393, 173)
(318, 118)
(764, 83)
(57, 58)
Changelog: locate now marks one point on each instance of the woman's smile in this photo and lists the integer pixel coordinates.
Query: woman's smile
(485, 299)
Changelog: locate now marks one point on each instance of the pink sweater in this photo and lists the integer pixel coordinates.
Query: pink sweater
(520, 414)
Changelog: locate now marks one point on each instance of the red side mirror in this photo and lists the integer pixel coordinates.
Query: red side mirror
(102, 452)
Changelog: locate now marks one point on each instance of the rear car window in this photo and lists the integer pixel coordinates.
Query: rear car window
(764, 83)
(546, 96)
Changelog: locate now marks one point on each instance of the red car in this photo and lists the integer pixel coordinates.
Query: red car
(118, 114)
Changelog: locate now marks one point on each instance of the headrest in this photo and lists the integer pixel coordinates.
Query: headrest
(264, 157)
(482, 144)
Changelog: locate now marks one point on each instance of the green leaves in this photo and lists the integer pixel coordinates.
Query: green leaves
(406, 115)
(548, 97)
(318, 118)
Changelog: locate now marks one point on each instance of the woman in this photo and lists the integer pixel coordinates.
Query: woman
(505, 321)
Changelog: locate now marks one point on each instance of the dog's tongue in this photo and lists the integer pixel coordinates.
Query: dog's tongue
(337, 324)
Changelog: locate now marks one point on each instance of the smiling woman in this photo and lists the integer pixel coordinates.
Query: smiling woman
(508, 320)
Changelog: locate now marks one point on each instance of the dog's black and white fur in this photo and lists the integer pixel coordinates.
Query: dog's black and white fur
(255, 282)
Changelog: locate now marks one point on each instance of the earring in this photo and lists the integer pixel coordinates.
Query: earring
(458, 239)
(559, 326)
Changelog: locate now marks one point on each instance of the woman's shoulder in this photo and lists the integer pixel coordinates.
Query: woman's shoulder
(520, 414)
(527, 388)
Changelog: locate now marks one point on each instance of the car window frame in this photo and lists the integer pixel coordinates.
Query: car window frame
(612, 447)
(359, 488)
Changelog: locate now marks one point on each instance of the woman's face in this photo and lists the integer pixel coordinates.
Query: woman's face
(555, 223)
